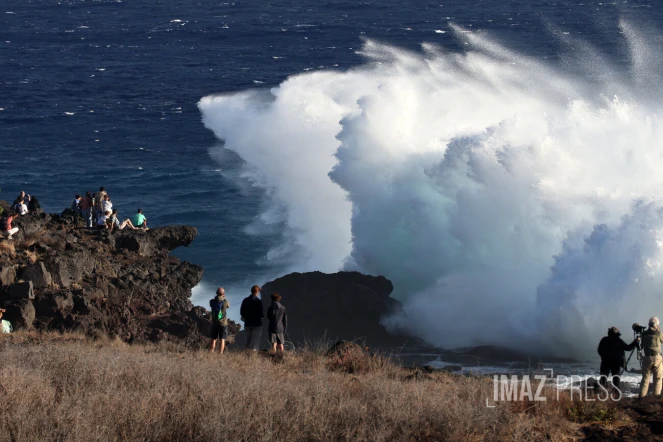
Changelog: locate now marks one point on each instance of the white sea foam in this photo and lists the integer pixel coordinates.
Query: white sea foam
(510, 201)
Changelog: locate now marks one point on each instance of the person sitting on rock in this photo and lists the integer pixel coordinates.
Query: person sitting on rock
(21, 197)
(106, 205)
(278, 323)
(8, 231)
(252, 313)
(116, 224)
(102, 221)
(5, 326)
(22, 208)
(219, 305)
(139, 221)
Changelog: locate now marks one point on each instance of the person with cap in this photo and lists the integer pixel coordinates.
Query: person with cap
(613, 359)
(219, 306)
(652, 338)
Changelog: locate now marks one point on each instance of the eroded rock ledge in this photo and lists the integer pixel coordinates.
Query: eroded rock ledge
(55, 275)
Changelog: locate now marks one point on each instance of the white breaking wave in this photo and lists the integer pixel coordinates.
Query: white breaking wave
(510, 201)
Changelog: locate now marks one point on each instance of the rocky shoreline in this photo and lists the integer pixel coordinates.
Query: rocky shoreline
(56, 274)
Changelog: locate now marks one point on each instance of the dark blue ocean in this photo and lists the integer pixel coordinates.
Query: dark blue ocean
(105, 93)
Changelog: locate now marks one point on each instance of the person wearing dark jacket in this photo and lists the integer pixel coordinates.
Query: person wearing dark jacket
(278, 323)
(219, 305)
(33, 205)
(251, 313)
(613, 359)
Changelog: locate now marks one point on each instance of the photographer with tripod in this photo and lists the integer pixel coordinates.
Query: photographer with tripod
(613, 358)
(652, 338)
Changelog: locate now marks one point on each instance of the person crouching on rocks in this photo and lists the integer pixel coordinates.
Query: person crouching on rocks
(219, 305)
(278, 323)
(102, 221)
(252, 313)
(8, 231)
(613, 359)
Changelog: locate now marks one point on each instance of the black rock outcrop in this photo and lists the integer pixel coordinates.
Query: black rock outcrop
(57, 275)
(338, 306)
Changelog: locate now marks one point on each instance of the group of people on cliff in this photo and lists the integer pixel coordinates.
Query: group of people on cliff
(97, 210)
(23, 205)
(252, 314)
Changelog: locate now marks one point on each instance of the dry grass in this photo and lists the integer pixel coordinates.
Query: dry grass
(66, 387)
(7, 248)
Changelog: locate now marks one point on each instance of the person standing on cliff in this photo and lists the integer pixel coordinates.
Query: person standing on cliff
(219, 305)
(252, 313)
(97, 210)
(278, 323)
(652, 339)
(86, 208)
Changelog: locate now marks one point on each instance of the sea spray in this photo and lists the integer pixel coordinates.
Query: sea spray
(478, 182)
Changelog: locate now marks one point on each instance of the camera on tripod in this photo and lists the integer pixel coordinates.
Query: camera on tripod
(638, 329)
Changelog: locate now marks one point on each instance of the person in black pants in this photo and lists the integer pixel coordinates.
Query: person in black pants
(613, 359)
(251, 313)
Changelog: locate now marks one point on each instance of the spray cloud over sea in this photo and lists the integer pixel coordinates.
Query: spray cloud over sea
(511, 201)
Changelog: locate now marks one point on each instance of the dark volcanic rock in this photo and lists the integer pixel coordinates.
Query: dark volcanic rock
(338, 306)
(37, 274)
(21, 290)
(20, 312)
(153, 241)
(7, 275)
(121, 283)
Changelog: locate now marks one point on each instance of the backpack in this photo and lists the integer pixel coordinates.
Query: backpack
(222, 311)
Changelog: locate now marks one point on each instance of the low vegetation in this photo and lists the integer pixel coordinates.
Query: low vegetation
(68, 387)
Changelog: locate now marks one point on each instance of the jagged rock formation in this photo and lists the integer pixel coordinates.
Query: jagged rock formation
(56, 275)
(338, 306)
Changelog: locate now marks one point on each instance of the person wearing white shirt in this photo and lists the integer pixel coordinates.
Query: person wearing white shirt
(22, 208)
(106, 205)
(101, 221)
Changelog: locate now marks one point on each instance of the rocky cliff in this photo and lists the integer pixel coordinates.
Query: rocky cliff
(338, 306)
(57, 275)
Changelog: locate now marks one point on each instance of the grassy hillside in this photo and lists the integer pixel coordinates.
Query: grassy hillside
(67, 387)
